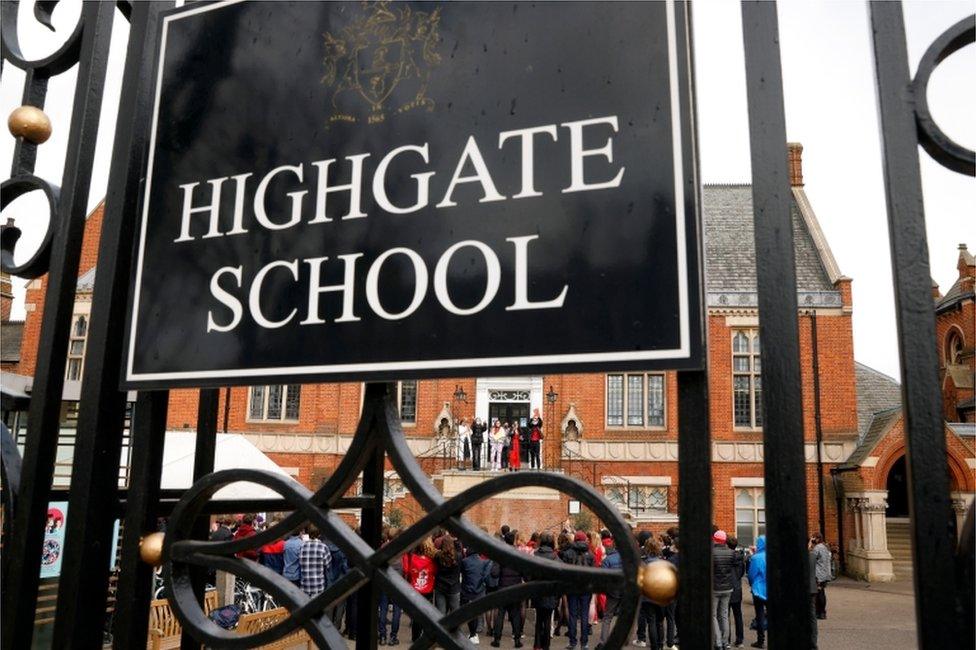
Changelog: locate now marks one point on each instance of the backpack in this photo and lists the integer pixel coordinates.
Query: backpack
(494, 573)
(226, 616)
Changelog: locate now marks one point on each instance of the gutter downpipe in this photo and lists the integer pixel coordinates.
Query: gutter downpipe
(839, 492)
(822, 512)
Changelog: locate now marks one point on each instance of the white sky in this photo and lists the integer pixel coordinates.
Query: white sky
(830, 109)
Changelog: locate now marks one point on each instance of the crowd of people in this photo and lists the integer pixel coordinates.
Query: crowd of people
(448, 575)
(499, 445)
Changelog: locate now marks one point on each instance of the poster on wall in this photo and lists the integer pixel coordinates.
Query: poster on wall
(52, 551)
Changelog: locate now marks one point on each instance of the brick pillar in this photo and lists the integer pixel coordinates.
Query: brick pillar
(6, 297)
(795, 153)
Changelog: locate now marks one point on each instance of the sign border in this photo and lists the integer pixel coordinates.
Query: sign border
(681, 357)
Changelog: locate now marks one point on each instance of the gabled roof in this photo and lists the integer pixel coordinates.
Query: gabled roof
(11, 334)
(730, 251)
(876, 392)
(881, 423)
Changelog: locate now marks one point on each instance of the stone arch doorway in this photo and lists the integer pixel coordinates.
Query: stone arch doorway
(897, 486)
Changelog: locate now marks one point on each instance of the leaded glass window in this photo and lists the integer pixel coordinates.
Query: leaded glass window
(408, 401)
(635, 400)
(274, 403)
(746, 379)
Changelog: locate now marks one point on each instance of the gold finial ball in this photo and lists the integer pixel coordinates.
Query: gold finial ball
(151, 548)
(658, 581)
(29, 123)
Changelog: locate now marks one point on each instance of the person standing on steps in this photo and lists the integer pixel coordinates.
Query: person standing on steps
(535, 440)
(477, 440)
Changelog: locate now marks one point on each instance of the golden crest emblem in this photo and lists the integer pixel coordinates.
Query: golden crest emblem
(387, 48)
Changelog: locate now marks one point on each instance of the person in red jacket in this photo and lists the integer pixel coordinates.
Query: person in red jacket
(246, 529)
(420, 570)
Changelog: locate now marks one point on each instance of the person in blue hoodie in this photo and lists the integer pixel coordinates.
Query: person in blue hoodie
(475, 574)
(757, 582)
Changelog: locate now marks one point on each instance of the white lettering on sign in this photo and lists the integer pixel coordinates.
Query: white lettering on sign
(234, 300)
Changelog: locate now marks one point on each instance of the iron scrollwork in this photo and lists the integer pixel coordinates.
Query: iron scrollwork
(380, 429)
(933, 139)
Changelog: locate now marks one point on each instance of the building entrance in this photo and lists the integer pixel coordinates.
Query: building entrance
(509, 412)
(897, 485)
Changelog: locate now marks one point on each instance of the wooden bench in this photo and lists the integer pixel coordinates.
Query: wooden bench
(260, 621)
(164, 628)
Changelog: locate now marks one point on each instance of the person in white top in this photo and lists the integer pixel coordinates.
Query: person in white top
(497, 440)
(464, 442)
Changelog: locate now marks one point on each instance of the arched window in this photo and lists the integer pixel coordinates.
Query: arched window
(953, 347)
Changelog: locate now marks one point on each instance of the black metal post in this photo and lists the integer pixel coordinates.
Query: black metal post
(203, 464)
(937, 609)
(98, 444)
(694, 509)
(371, 522)
(782, 399)
(20, 593)
(141, 509)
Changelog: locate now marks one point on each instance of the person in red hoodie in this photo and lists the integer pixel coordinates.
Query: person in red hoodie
(246, 529)
(272, 555)
(420, 570)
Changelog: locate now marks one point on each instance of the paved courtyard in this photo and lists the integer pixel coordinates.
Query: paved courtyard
(860, 616)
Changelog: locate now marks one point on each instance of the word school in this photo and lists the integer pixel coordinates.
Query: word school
(227, 283)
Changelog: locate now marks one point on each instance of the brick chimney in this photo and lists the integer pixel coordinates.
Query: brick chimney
(6, 297)
(795, 158)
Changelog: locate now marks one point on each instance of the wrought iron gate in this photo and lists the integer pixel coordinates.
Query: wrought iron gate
(943, 572)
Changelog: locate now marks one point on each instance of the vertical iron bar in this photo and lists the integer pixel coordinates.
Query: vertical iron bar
(694, 510)
(98, 444)
(203, 464)
(936, 606)
(782, 398)
(371, 523)
(25, 152)
(135, 576)
(20, 594)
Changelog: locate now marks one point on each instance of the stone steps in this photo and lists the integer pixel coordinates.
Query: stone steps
(900, 547)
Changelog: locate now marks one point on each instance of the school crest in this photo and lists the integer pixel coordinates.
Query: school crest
(380, 64)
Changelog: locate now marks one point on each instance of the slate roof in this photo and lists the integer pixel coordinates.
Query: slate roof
(880, 425)
(730, 258)
(953, 295)
(876, 392)
(11, 333)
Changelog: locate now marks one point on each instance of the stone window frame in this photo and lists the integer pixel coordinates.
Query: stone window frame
(263, 392)
(752, 374)
(758, 507)
(406, 422)
(77, 346)
(625, 388)
(635, 485)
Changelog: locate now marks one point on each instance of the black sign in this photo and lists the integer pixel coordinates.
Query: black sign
(353, 191)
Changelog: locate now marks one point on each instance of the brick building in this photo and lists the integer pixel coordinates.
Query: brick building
(619, 431)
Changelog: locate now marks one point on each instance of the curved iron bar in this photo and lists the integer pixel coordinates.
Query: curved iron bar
(37, 265)
(933, 139)
(51, 65)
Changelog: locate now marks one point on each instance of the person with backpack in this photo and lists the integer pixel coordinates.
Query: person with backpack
(578, 554)
(475, 576)
(508, 577)
(757, 582)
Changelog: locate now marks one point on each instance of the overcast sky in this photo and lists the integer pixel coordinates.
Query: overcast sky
(830, 109)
